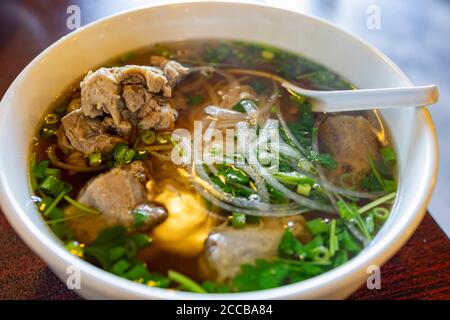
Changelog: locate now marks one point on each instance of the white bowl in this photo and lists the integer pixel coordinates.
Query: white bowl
(56, 68)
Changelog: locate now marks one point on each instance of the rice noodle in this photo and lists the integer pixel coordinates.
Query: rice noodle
(192, 86)
(257, 73)
(219, 113)
(211, 93)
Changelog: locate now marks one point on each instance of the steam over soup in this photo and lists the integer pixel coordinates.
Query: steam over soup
(187, 166)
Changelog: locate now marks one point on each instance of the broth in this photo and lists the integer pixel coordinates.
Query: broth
(189, 242)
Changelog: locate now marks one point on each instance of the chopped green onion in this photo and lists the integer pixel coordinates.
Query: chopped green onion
(123, 154)
(389, 185)
(306, 165)
(381, 214)
(54, 186)
(141, 240)
(377, 202)
(238, 220)
(321, 255)
(75, 248)
(131, 249)
(341, 258)
(51, 118)
(333, 241)
(304, 189)
(137, 272)
(120, 267)
(52, 172)
(95, 159)
(185, 282)
(148, 137)
(351, 214)
(163, 138)
(317, 226)
(116, 253)
(348, 242)
(343, 180)
(293, 178)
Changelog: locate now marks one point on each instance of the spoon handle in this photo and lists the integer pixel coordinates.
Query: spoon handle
(365, 99)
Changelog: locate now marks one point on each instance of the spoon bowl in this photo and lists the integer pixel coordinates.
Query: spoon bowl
(366, 99)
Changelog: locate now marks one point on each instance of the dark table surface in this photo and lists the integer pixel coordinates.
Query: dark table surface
(420, 270)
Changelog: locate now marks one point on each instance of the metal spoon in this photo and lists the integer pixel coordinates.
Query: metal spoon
(366, 99)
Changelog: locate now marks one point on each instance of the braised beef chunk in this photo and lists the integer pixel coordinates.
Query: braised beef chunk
(100, 94)
(161, 119)
(119, 195)
(122, 129)
(137, 97)
(226, 249)
(173, 70)
(350, 141)
(151, 112)
(86, 134)
(113, 100)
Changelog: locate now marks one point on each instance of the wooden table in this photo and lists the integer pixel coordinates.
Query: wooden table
(420, 270)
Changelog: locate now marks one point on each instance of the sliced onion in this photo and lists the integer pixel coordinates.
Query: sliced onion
(275, 211)
(224, 114)
(257, 73)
